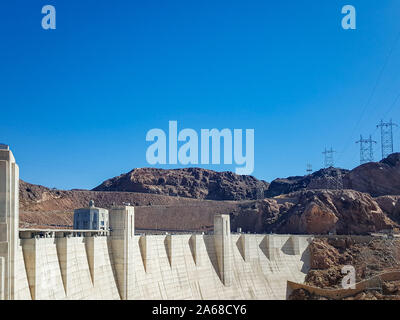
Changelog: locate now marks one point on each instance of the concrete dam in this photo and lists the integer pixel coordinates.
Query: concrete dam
(119, 264)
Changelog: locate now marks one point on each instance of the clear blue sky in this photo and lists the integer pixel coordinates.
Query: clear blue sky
(76, 102)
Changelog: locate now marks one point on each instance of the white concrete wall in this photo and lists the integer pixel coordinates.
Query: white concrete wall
(43, 269)
(101, 269)
(161, 267)
(59, 268)
(22, 291)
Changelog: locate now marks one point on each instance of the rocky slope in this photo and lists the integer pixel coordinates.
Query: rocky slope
(303, 205)
(369, 257)
(41, 207)
(312, 211)
(328, 178)
(315, 212)
(376, 178)
(390, 205)
(189, 182)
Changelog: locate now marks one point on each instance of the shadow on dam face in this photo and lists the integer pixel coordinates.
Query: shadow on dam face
(239, 245)
(287, 248)
(305, 258)
(264, 246)
(192, 244)
(211, 253)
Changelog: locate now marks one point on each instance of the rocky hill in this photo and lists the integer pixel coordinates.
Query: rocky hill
(376, 178)
(369, 257)
(187, 199)
(189, 182)
(315, 212)
(306, 211)
(328, 178)
(41, 207)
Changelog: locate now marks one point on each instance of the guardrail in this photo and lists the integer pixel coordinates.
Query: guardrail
(343, 293)
(60, 233)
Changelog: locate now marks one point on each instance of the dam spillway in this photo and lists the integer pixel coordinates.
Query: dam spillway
(77, 264)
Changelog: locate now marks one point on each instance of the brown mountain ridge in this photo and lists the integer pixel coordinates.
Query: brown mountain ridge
(329, 200)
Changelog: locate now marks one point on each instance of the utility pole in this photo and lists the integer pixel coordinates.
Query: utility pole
(309, 168)
(386, 137)
(366, 150)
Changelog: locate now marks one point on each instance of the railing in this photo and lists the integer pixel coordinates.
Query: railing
(60, 233)
(343, 293)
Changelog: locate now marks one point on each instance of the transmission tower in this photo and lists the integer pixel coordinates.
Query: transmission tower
(309, 168)
(339, 179)
(386, 137)
(329, 157)
(366, 150)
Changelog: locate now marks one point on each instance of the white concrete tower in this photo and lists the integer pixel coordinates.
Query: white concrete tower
(122, 224)
(222, 240)
(9, 220)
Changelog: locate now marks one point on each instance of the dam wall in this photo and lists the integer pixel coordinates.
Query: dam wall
(72, 267)
(161, 267)
(119, 264)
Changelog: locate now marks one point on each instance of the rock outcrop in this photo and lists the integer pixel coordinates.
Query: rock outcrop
(369, 257)
(301, 212)
(343, 212)
(317, 212)
(376, 178)
(328, 178)
(304, 205)
(390, 205)
(189, 182)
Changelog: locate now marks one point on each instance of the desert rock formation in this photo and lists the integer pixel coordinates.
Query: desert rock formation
(369, 257)
(376, 178)
(189, 182)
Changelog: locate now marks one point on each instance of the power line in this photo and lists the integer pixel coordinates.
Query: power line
(372, 94)
(391, 106)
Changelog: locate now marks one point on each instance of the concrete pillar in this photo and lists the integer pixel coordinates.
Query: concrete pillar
(64, 252)
(30, 251)
(9, 217)
(295, 242)
(2, 278)
(271, 248)
(143, 250)
(194, 243)
(245, 245)
(222, 241)
(122, 224)
(91, 246)
(43, 269)
(169, 247)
